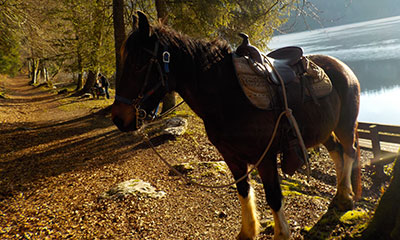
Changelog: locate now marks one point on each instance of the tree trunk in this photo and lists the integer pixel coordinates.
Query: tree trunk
(29, 68)
(161, 7)
(80, 80)
(169, 100)
(385, 224)
(35, 71)
(90, 81)
(119, 35)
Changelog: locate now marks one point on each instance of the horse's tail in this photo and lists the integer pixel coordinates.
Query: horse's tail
(356, 171)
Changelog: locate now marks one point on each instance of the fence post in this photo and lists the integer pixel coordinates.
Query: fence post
(376, 149)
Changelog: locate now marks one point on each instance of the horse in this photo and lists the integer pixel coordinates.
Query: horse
(157, 59)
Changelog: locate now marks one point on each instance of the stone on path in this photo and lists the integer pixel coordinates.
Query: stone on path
(134, 187)
(175, 126)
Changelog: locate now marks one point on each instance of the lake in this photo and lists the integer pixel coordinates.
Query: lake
(372, 50)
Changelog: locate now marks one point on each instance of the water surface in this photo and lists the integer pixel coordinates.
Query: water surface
(372, 50)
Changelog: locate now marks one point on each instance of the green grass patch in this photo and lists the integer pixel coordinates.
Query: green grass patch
(354, 216)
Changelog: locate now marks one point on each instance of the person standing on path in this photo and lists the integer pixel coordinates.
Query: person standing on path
(105, 84)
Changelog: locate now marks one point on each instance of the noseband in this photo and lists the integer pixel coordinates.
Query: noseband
(143, 96)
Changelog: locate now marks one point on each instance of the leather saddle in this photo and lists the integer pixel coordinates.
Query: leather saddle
(289, 64)
(286, 61)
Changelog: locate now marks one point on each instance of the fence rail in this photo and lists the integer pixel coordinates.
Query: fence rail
(383, 140)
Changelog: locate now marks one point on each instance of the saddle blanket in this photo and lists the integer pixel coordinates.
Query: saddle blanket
(262, 93)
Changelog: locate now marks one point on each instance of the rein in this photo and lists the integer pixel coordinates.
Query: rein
(188, 180)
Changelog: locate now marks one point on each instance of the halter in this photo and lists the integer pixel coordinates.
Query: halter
(143, 96)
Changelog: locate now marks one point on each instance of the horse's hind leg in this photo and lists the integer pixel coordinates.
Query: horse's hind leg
(250, 224)
(344, 155)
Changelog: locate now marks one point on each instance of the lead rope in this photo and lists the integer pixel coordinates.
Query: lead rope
(291, 118)
(287, 112)
(147, 140)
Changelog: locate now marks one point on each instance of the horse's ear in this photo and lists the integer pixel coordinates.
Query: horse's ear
(144, 26)
(134, 22)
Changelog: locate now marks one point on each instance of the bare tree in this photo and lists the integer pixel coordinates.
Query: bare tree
(119, 34)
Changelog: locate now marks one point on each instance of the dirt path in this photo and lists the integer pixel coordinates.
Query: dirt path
(25, 103)
(58, 154)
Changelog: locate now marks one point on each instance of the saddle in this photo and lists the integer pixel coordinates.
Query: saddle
(246, 49)
(285, 60)
(260, 78)
(260, 74)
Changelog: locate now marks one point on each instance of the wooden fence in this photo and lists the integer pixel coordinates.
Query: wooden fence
(383, 140)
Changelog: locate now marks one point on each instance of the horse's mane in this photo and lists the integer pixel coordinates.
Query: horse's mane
(204, 53)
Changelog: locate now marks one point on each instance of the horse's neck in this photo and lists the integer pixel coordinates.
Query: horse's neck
(203, 89)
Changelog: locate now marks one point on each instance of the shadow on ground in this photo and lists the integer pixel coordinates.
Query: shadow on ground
(30, 154)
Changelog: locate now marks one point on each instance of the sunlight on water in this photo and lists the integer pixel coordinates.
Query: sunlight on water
(381, 106)
(372, 51)
(377, 39)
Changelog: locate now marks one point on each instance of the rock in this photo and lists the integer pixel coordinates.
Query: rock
(175, 126)
(135, 187)
(183, 168)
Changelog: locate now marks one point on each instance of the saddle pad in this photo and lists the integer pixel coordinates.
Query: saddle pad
(254, 84)
(319, 82)
(261, 93)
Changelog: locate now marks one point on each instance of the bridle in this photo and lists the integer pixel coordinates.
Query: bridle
(143, 95)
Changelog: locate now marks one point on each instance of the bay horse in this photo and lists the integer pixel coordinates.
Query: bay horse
(157, 60)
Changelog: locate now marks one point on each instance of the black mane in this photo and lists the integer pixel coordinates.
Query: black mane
(207, 51)
(203, 53)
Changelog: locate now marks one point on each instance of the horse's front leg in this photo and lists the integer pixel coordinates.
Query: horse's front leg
(269, 175)
(250, 224)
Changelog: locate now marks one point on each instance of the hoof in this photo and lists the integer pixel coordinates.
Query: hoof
(342, 204)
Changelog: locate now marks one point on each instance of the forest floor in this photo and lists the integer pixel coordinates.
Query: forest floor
(59, 153)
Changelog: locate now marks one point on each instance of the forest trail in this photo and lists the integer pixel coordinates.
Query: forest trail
(27, 105)
(59, 153)
(24, 103)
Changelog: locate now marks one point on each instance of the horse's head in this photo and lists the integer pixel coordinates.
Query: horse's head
(142, 84)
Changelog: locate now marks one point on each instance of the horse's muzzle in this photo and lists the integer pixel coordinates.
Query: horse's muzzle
(123, 117)
(121, 125)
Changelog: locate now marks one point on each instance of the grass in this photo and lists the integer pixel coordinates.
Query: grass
(353, 217)
(291, 187)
